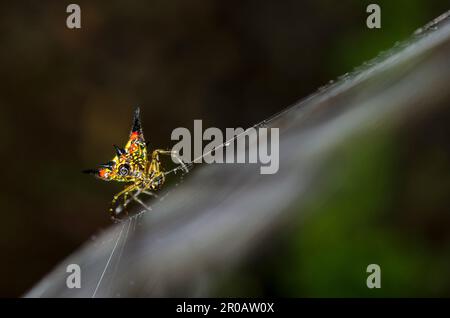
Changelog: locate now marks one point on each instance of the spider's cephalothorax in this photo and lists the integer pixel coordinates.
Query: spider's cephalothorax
(132, 165)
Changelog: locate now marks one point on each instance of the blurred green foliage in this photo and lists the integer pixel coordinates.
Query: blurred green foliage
(351, 226)
(399, 19)
(383, 200)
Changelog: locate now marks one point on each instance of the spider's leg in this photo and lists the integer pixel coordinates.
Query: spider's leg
(125, 200)
(135, 198)
(175, 156)
(127, 190)
(124, 192)
(152, 194)
(128, 200)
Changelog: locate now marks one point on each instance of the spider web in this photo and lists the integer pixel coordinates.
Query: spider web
(128, 225)
(114, 244)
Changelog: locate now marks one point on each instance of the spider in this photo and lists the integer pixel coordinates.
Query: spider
(133, 166)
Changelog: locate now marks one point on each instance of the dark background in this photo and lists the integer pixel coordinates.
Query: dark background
(67, 95)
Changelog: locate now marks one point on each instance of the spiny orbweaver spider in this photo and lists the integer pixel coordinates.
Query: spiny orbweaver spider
(132, 165)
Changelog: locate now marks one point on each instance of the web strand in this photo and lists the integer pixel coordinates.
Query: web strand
(109, 260)
(229, 141)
